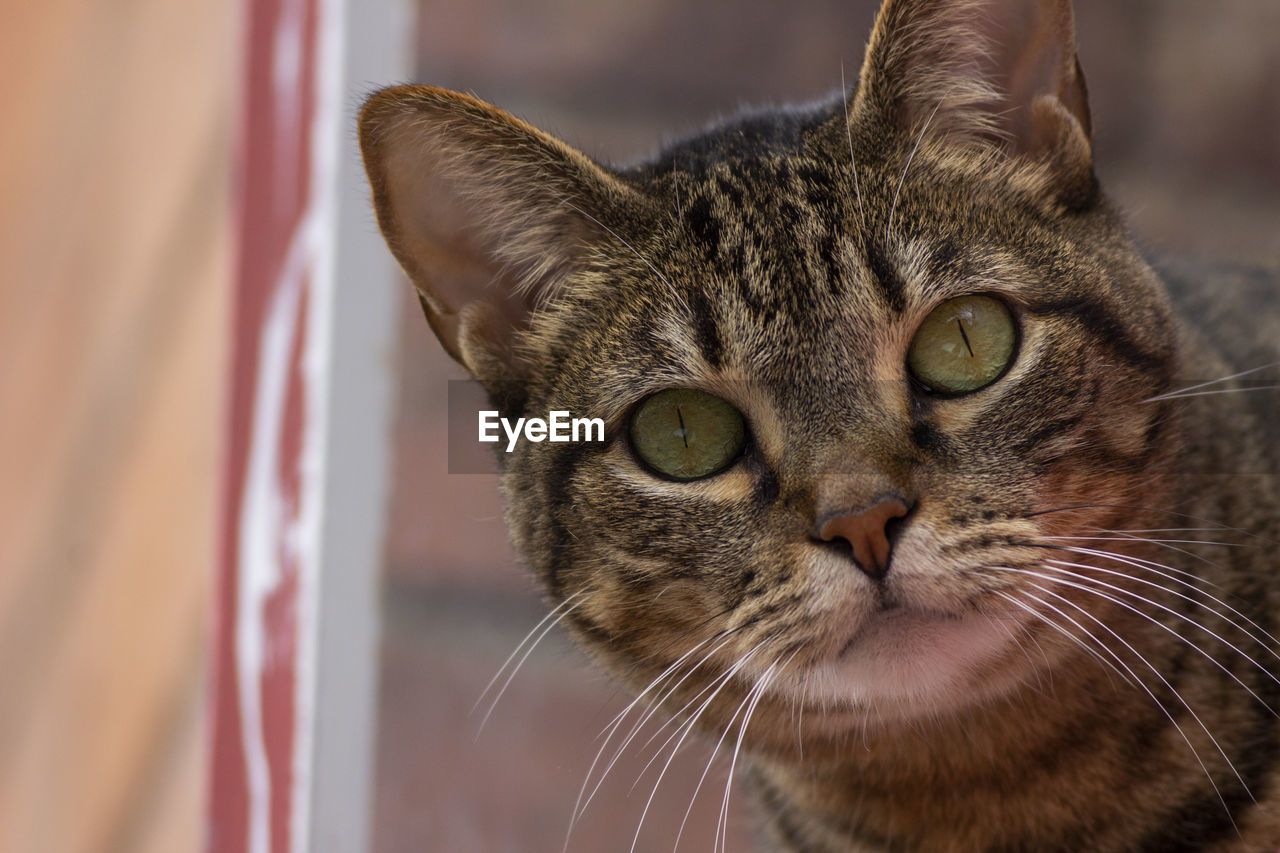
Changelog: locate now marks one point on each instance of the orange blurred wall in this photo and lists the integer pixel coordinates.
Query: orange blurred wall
(114, 262)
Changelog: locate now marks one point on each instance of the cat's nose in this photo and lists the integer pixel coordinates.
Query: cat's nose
(867, 532)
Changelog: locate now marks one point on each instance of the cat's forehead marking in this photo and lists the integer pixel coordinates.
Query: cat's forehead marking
(681, 338)
(915, 270)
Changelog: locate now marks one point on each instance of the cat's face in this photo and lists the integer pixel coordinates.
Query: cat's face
(866, 545)
(798, 311)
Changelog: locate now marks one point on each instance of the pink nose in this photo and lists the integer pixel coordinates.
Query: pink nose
(865, 532)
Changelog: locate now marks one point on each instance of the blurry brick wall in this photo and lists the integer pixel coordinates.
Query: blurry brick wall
(1186, 99)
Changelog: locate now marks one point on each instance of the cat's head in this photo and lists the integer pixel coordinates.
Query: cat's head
(858, 363)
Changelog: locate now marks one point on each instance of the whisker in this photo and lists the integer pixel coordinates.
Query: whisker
(580, 806)
(1190, 579)
(632, 249)
(1159, 624)
(757, 690)
(1020, 638)
(673, 721)
(1215, 526)
(715, 750)
(1166, 712)
(1266, 640)
(746, 699)
(1147, 690)
(1183, 391)
(799, 704)
(683, 730)
(853, 161)
(1072, 637)
(688, 727)
(1146, 539)
(1181, 396)
(893, 208)
(1167, 544)
(563, 609)
(1166, 529)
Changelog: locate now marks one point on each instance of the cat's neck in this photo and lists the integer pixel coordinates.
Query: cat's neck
(1010, 757)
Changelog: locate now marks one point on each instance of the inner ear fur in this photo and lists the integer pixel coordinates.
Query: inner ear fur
(485, 213)
(999, 74)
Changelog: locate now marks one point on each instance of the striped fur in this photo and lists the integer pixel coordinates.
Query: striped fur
(1060, 681)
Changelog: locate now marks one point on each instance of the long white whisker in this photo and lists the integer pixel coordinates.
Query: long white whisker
(1079, 642)
(1266, 640)
(584, 799)
(688, 727)
(1170, 529)
(1143, 563)
(1172, 690)
(560, 612)
(757, 691)
(1225, 528)
(1020, 638)
(799, 703)
(893, 208)
(1159, 624)
(1145, 539)
(550, 615)
(1133, 680)
(1241, 628)
(1168, 544)
(674, 721)
(1210, 393)
(711, 760)
(643, 259)
(1183, 391)
(853, 161)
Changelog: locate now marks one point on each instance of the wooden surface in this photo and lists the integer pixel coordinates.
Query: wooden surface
(114, 164)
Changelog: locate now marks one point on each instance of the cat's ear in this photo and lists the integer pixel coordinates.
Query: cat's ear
(999, 73)
(485, 213)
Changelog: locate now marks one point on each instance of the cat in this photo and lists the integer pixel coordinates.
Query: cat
(918, 477)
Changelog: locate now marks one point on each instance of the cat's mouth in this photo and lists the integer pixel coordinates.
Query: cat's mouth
(894, 618)
(902, 659)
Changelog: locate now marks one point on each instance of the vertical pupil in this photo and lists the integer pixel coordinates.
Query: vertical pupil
(684, 435)
(964, 337)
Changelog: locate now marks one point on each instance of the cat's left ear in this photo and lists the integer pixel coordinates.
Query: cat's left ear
(486, 214)
(998, 73)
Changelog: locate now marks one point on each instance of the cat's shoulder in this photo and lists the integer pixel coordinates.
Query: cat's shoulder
(1232, 308)
(1235, 303)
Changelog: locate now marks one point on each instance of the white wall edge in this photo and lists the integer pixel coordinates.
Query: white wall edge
(364, 45)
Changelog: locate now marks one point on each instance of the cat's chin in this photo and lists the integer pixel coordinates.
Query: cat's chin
(902, 663)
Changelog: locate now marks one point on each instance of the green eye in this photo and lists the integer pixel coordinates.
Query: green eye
(963, 345)
(687, 434)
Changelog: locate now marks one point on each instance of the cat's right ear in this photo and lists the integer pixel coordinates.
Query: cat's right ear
(485, 213)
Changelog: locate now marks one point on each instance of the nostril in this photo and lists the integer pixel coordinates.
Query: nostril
(894, 526)
(868, 533)
(839, 545)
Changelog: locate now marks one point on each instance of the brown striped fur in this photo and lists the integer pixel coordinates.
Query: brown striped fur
(782, 261)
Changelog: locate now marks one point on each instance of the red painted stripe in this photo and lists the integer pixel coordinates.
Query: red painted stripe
(273, 194)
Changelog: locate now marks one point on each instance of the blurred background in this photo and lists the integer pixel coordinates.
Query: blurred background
(115, 264)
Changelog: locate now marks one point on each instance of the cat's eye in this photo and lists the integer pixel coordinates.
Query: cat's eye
(963, 345)
(687, 434)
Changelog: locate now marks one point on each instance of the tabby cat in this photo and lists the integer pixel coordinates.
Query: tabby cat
(918, 478)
